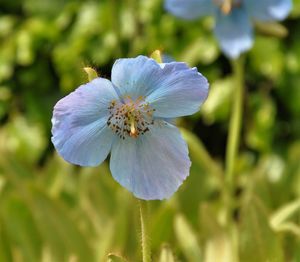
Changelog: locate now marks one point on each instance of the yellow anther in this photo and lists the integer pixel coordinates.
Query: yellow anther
(139, 99)
(226, 7)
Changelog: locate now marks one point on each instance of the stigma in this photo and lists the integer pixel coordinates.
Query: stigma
(130, 118)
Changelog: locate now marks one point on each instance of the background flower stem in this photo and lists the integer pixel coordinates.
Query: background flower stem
(233, 139)
(146, 252)
(233, 142)
(115, 23)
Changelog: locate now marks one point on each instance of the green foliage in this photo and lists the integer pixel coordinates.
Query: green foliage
(53, 211)
(166, 255)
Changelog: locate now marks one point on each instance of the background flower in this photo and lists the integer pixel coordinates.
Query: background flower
(233, 23)
(127, 117)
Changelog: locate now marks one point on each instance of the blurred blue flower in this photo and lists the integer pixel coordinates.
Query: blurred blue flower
(233, 27)
(128, 117)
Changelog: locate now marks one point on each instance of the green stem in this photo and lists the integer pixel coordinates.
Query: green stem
(233, 142)
(116, 24)
(235, 123)
(146, 252)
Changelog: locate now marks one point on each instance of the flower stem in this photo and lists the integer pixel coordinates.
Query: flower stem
(235, 123)
(233, 142)
(115, 23)
(146, 252)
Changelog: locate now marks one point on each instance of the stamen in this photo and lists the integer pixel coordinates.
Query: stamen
(130, 118)
(226, 7)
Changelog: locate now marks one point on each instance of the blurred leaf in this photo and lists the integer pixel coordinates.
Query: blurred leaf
(218, 248)
(21, 229)
(25, 52)
(289, 227)
(161, 224)
(205, 171)
(260, 131)
(104, 244)
(217, 105)
(115, 258)
(123, 221)
(21, 136)
(7, 56)
(187, 240)
(271, 28)
(296, 9)
(257, 240)
(5, 249)
(209, 224)
(280, 216)
(217, 243)
(201, 155)
(166, 254)
(267, 58)
(203, 50)
(56, 226)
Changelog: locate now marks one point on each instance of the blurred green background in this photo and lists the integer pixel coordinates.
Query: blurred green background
(53, 211)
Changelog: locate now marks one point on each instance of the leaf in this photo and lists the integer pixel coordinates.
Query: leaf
(218, 248)
(187, 239)
(257, 240)
(58, 229)
(279, 217)
(203, 49)
(21, 229)
(209, 225)
(166, 254)
(266, 57)
(201, 154)
(115, 258)
(271, 29)
(218, 245)
(161, 224)
(218, 104)
(5, 249)
(289, 227)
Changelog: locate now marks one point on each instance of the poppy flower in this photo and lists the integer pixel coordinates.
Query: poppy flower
(130, 117)
(233, 18)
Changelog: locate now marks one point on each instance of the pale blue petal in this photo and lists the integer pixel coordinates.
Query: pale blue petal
(189, 9)
(172, 89)
(135, 76)
(79, 132)
(180, 91)
(268, 10)
(234, 32)
(152, 166)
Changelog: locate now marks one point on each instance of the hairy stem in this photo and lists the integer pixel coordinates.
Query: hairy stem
(146, 252)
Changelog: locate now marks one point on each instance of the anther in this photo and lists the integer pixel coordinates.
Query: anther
(226, 7)
(130, 118)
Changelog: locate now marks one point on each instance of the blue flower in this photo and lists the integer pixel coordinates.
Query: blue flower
(233, 27)
(129, 116)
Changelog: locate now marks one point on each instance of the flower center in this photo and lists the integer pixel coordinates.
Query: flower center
(129, 117)
(227, 5)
